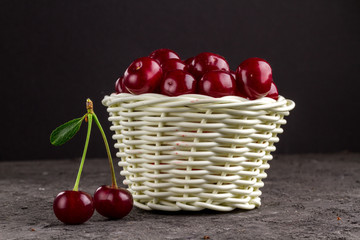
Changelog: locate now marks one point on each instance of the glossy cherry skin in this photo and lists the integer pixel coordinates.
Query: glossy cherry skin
(188, 63)
(217, 84)
(163, 54)
(142, 76)
(273, 93)
(113, 203)
(73, 207)
(205, 62)
(172, 64)
(254, 76)
(178, 82)
(233, 73)
(239, 91)
(119, 86)
(189, 60)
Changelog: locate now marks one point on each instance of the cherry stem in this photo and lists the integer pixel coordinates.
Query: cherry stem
(89, 106)
(113, 178)
(89, 120)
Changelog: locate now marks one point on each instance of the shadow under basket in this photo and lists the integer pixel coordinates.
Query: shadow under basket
(195, 152)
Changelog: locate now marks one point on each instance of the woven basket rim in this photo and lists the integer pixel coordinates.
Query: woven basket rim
(198, 100)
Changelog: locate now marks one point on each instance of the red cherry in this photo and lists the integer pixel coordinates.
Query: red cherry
(114, 203)
(233, 74)
(178, 82)
(217, 84)
(189, 60)
(241, 93)
(205, 62)
(254, 76)
(161, 55)
(273, 93)
(119, 86)
(172, 64)
(142, 76)
(73, 207)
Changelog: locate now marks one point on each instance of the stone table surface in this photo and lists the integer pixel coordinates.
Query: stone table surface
(312, 196)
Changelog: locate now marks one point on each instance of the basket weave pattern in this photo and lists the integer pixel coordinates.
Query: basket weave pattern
(195, 152)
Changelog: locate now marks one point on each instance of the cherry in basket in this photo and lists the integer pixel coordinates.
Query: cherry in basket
(172, 64)
(254, 77)
(273, 93)
(143, 76)
(217, 84)
(178, 82)
(205, 62)
(163, 54)
(119, 86)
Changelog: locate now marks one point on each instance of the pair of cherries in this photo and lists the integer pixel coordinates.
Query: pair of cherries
(76, 207)
(207, 73)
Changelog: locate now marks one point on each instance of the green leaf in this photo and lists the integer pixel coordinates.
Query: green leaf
(65, 132)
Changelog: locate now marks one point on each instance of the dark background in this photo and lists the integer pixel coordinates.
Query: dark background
(55, 54)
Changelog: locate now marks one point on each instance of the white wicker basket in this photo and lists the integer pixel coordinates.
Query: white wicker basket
(195, 152)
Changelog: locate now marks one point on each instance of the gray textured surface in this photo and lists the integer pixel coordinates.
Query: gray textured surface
(305, 196)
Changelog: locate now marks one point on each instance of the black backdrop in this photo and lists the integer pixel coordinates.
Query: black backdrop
(55, 54)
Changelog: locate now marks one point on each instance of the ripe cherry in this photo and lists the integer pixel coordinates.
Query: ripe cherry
(241, 93)
(178, 82)
(73, 207)
(119, 86)
(189, 60)
(163, 54)
(205, 62)
(142, 76)
(217, 84)
(172, 64)
(111, 202)
(233, 74)
(254, 75)
(273, 93)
